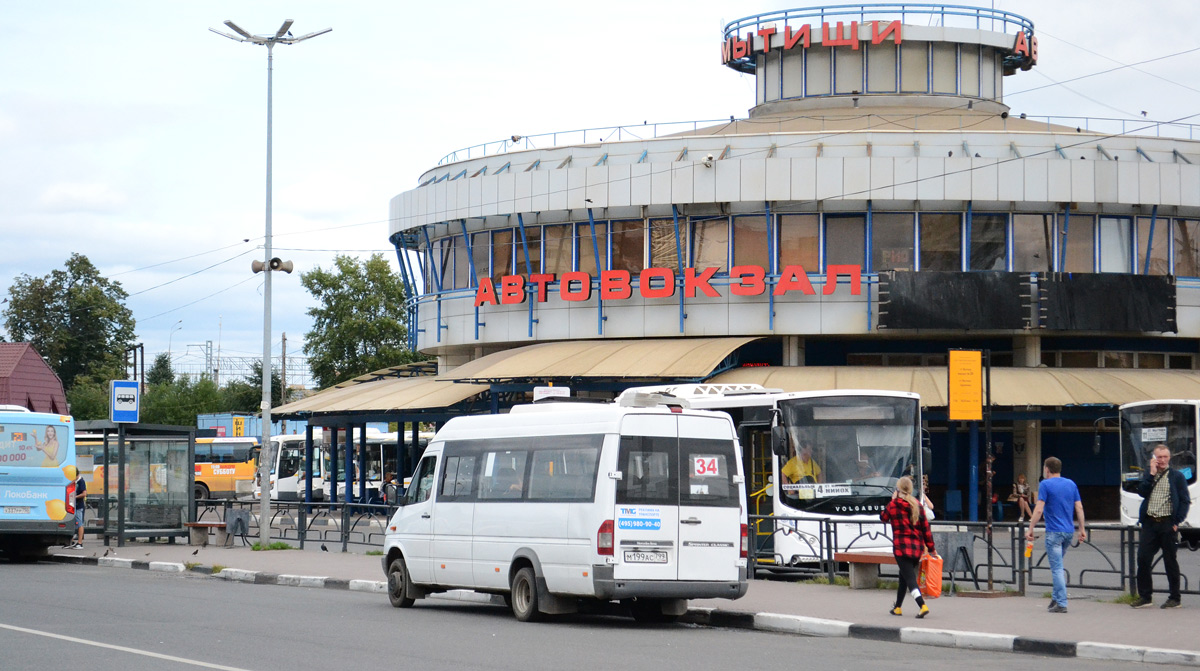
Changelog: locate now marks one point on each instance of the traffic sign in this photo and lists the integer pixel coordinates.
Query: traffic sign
(124, 401)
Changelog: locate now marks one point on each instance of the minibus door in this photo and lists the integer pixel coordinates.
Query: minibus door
(710, 500)
(646, 519)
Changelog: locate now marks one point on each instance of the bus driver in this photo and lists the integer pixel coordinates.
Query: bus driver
(802, 467)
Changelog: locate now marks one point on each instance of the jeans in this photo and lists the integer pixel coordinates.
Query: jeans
(1057, 543)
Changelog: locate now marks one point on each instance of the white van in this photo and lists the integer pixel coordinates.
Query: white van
(555, 503)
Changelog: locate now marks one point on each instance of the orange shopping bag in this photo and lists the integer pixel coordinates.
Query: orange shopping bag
(929, 576)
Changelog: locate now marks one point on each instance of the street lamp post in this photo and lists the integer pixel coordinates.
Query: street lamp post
(281, 36)
(178, 325)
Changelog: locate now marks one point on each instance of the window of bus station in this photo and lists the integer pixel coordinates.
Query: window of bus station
(934, 240)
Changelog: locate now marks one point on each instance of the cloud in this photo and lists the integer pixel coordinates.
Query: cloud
(80, 197)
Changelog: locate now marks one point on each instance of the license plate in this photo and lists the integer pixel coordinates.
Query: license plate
(16, 510)
(645, 557)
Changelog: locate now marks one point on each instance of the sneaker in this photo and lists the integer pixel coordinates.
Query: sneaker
(1142, 602)
(1057, 608)
(1051, 606)
(1171, 603)
(895, 611)
(77, 546)
(924, 611)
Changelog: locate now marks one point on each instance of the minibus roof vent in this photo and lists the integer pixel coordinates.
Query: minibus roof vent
(645, 400)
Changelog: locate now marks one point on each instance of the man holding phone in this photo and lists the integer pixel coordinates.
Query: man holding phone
(1165, 503)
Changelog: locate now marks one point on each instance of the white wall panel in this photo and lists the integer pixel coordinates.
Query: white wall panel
(1010, 181)
(1149, 190)
(523, 201)
(749, 318)
(683, 175)
(1036, 179)
(829, 178)
(597, 178)
(576, 186)
(618, 185)
(1128, 190)
(932, 181)
(1189, 185)
(475, 196)
(1168, 181)
(639, 184)
(804, 179)
(660, 183)
(778, 178)
(754, 179)
(985, 178)
(556, 191)
(706, 320)
(856, 178)
(506, 190)
(1107, 179)
(728, 180)
(903, 176)
(1083, 181)
(1058, 174)
(883, 177)
(626, 320)
(704, 185)
(661, 320)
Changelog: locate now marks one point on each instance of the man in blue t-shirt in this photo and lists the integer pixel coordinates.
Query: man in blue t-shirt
(1058, 501)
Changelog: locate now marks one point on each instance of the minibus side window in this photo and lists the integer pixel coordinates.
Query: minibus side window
(422, 483)
(563, 474)
(457, 478)
(503, 475)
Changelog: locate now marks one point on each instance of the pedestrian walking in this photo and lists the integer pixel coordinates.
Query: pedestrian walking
(1058, 501)
(80, 504)
(1165, 503)
(910, 536)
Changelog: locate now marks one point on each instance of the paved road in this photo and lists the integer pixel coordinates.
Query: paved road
(121, 620)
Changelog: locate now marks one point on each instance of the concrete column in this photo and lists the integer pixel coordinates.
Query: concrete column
(793, 351)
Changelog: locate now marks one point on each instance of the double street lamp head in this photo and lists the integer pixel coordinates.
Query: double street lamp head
(281, 36)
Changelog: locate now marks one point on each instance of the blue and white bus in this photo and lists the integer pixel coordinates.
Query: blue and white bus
(37, 481)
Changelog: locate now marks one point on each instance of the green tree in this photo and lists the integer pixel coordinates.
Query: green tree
(75, 318)
(88, 397)
(359, 325)
(160, 372)
(245, 395)
(179, 401)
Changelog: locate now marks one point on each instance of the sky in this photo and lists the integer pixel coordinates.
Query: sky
(133, 135)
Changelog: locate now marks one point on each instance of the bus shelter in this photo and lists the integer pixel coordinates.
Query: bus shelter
(141, 478)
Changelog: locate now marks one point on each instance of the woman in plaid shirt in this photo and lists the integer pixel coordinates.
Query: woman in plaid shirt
(910, 535)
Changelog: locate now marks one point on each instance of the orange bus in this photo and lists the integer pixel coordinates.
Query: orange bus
(225, 467)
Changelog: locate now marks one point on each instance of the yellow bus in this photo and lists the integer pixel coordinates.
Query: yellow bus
(225, 467)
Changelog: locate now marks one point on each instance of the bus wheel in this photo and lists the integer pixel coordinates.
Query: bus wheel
(201, 491)
(398, 584)
(524, 596)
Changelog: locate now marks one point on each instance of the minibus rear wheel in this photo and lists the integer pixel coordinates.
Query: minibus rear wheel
(524, 596)
(398, 584)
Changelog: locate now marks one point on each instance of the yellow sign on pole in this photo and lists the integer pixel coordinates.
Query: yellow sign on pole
(239, 426)
(966, 385)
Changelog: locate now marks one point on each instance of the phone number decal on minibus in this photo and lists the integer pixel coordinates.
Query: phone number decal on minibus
(627, 523)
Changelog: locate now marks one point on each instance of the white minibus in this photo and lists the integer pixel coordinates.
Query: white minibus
(556, 503)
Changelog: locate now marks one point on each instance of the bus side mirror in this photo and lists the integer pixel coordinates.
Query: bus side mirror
(779, 441)
(926, 459)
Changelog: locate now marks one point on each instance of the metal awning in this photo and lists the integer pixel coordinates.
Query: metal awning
(384, 395)
(1016, 387)
(666, 358)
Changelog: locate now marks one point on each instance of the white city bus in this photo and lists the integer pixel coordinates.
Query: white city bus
(554, 504)
(1171, 422)
(288, 474)
(861, 442)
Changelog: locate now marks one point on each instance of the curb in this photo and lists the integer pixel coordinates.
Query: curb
(798, 625)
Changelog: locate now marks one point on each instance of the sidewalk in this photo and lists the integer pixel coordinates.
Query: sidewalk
(1095, 627)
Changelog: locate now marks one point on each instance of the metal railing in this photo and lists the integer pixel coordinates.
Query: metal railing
(1106, 561)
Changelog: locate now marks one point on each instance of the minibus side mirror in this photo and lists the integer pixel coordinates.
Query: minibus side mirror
(926, 459)
(779, 441)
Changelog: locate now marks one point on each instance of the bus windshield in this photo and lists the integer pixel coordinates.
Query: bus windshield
(1144, 426)
(845, 453)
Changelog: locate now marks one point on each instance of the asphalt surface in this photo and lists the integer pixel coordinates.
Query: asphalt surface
(1095, 627)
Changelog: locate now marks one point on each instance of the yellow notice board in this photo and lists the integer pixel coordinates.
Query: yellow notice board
(966, 385)
(239, 426)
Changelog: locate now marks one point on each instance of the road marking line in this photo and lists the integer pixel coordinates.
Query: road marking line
(122, 648)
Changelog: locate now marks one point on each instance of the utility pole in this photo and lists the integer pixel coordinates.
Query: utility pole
(283, 395)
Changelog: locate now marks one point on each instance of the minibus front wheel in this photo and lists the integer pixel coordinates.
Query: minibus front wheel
(398, 584)
(524, 596)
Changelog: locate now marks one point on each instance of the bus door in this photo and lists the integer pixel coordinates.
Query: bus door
(646, 519)
(710, 505)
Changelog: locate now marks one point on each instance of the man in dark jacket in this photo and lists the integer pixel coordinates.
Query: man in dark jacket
(1165, 503)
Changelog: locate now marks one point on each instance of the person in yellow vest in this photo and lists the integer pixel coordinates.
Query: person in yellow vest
(802, 467)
